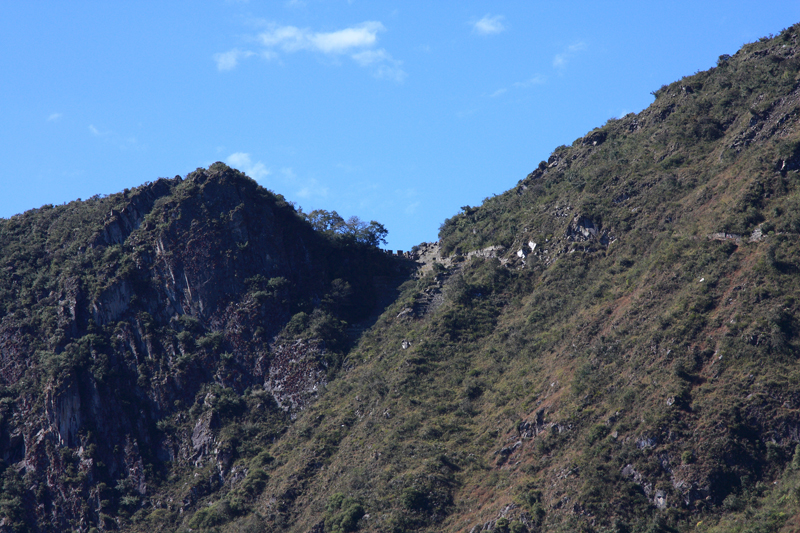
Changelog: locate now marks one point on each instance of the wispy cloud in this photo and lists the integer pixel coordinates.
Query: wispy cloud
(412, 208)
(292, 39)
(370, 57)
(357, 41)
(531, 82)
(560, 60)
(285, 178)
(311, 189)
(241, 160)
(489, 25)
(385, 66)
(111, 137)
(54, 116)
(228, 60)
(536, 80)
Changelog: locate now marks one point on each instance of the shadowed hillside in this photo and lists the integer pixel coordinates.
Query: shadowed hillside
(148, 334)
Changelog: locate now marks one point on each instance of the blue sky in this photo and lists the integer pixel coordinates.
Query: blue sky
(401, 112)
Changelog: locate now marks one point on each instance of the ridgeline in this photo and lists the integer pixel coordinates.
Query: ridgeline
(610, 346)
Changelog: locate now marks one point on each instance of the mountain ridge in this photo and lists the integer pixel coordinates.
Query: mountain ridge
(611, 345)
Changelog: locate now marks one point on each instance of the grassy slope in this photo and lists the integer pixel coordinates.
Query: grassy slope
(669, 351)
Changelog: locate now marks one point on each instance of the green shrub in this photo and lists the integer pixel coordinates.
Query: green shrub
(597, 432)
(253, 484)
(215, 515)
(298, 323)
(342, 513)
(415, 499)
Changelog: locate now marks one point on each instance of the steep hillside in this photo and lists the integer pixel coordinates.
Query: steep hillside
(611, 346)
(149, 334)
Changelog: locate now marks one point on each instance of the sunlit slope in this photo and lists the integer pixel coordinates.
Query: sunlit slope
(625, 358)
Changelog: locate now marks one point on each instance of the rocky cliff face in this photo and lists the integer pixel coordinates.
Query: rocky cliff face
(174, 299)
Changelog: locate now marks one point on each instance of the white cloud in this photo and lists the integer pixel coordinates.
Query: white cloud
(291, 38)
(560, 60)
(369, 57)
(497, 93)
(358, 41)
(385, 65)
(228, 60)
(54, 116)
(295, 3)
(242, 161)
(489, 25)
(343, 40)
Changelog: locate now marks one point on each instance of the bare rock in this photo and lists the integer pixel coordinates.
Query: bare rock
(203, 436)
